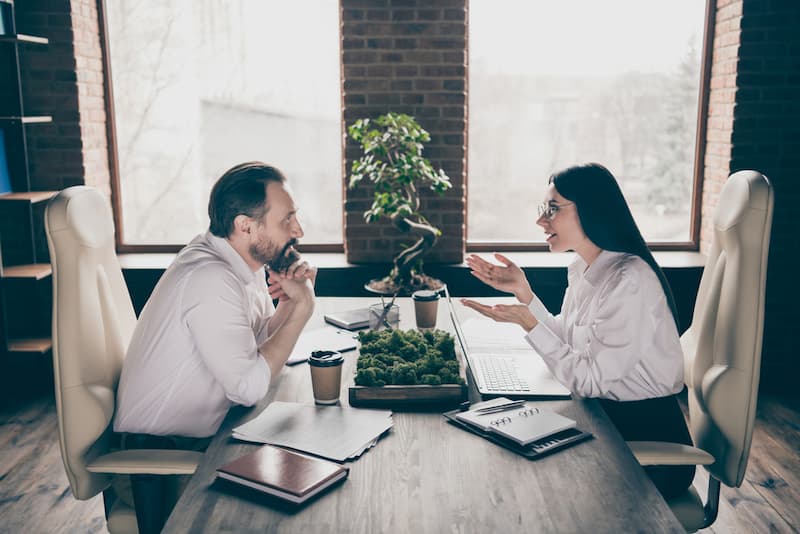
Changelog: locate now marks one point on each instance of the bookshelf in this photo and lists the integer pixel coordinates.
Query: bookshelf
(25, 272)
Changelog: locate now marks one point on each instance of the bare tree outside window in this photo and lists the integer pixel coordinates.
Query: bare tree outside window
(553, 84)
(202, 85)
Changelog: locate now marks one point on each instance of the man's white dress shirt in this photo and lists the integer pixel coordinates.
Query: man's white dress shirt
(615, 337)
(194, 352)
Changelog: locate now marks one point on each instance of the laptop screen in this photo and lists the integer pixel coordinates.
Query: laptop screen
(456, 323)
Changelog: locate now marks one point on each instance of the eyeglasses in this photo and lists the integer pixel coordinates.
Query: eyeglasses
(548, 210)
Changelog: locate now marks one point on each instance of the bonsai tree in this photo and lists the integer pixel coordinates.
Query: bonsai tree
(393, 162)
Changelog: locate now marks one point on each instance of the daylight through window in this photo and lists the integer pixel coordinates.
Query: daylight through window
(553, 84)
(200, 86)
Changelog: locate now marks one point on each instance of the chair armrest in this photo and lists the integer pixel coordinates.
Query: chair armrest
(665, 453)
(147, 462)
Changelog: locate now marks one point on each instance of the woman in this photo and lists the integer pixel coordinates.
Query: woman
(616, 338)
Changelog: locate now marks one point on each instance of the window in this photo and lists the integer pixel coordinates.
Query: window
(201, 86)
(553, 84)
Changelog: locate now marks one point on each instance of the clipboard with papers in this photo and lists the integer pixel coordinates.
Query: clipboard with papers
(515, 426)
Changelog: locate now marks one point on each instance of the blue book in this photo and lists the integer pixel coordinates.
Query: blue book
(5, 177)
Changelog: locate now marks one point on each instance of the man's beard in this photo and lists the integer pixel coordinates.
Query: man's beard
(280, 261)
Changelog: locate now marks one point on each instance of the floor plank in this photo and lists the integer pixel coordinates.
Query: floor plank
(35, 494)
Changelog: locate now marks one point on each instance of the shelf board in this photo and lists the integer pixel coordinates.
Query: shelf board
(28, 119)
(34, 271)
(29, 196)
(22, 38)
(30, 345)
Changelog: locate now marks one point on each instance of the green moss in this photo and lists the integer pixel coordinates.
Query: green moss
(407, 357)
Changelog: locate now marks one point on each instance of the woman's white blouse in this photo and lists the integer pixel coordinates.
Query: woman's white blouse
(615, 337)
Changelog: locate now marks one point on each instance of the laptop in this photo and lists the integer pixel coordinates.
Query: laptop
(501, 368)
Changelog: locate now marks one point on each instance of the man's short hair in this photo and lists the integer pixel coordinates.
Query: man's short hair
(242, 190)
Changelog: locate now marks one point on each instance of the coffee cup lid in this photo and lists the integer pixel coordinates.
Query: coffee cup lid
(425, 295)
(325, 358)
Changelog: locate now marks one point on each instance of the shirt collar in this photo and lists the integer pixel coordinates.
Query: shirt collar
(596, 271)
(223, 248)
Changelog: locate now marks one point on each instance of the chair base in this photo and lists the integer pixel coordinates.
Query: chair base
(690, 510)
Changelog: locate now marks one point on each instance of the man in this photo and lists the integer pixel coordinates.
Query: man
(209, 337)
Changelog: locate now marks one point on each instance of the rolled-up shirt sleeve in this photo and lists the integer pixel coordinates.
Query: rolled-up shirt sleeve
(223, 334)
(596, 355)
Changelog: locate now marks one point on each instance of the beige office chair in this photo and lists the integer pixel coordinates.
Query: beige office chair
(93, 320)
(722, 349)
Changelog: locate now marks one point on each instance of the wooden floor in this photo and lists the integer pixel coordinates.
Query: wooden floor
(35, 496)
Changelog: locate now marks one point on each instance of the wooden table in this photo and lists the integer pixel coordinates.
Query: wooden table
(429, 476)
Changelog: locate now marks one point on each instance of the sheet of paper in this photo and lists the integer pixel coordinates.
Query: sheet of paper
(335, 432)
(487, 335)
(326, 338)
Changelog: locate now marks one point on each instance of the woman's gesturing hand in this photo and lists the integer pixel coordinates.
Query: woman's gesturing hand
(505, 277)
(505, 313)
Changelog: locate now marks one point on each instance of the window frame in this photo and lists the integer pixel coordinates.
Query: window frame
(113, 164)
(695, 215)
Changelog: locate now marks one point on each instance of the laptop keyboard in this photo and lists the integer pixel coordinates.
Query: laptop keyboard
(500, 374)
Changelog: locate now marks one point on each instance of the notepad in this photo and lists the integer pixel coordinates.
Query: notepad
(285, 474)
(522, 424)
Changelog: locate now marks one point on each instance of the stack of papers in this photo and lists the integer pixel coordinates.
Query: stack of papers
(335, 432)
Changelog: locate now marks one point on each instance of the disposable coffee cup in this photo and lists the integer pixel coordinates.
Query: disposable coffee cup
(384, 316)
(425, 305)
(326, 375)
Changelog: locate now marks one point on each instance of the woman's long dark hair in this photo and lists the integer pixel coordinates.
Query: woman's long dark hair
(605, 216)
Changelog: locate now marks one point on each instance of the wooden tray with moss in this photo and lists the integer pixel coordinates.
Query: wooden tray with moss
(408, 368)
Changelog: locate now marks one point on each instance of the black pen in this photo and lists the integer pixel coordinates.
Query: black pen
(500, 407)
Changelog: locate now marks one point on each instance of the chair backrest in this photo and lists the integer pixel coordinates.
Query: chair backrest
(722, 347)
(93, 320)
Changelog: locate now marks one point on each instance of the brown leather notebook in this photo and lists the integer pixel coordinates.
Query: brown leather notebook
(286, 474)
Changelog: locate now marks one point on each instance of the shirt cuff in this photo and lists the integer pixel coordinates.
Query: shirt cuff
(538, 309)
(544, 341)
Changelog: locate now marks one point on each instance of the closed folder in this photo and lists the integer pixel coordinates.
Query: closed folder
(288, 475)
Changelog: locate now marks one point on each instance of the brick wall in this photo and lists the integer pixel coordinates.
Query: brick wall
(721, 101)
(407, 56)
(49, 88)
(754, 123)
(91, 94)
(766, 137)
(64, 79)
